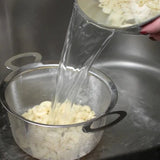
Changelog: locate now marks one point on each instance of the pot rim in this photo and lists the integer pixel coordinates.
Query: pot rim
(33, 66)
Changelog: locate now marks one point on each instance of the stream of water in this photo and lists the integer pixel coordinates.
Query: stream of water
(83, 44)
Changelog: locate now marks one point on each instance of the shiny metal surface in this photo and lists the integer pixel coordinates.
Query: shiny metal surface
(34, 83)
(133, 62)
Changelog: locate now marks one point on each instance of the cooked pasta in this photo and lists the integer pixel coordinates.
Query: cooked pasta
(62, 143)
(122, 13)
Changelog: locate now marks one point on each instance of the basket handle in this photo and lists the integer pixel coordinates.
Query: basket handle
(121, 115)
(9, 63)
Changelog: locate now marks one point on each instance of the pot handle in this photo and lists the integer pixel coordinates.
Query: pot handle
(121, 115)
(9, 63)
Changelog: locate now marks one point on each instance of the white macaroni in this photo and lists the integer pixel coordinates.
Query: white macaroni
(62, 114)
(122, 13)
(63, 143)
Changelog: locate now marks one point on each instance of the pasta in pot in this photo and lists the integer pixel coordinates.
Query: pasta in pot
(123, 13)
(57, 143)
(62, 114)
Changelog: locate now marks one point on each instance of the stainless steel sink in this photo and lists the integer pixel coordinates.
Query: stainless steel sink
(133, 62)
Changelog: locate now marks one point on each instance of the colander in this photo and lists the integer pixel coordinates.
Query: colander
(29, 85)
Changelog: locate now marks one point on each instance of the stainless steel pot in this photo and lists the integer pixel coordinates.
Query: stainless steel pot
(94, 14)
(33, 83)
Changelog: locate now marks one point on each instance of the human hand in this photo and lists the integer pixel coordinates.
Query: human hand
(153, 29)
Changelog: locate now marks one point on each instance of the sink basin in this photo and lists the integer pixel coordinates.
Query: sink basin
(132, 62)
